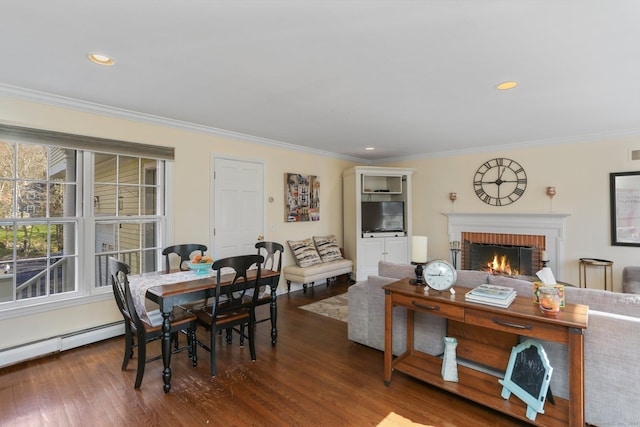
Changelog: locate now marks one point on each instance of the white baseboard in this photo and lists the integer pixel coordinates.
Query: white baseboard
(41, 348)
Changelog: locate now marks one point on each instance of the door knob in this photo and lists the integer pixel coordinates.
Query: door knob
(260, 238)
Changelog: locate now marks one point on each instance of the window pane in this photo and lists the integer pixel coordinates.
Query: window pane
(31, 240)
(62, 200)
(104, 168)
(129, 170)
(149, 261)
(63, 239)
(7, 160)
(104, 200)
(31, 278)
(150, 200)
(106, 237)
(129, 236)
(62, 275)
(6, 241)
(6, 283)
(6, 198)
(128, 201)
(62, 164)
(32, 161)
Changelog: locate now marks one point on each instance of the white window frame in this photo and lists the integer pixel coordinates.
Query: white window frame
(86, 291)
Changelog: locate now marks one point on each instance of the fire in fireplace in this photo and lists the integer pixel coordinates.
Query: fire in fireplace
(512, 260)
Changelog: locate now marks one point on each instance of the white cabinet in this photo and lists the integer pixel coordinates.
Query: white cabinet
(364, 243)
(374, 249)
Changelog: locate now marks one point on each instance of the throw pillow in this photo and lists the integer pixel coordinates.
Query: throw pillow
(327, 248)
(304, 252)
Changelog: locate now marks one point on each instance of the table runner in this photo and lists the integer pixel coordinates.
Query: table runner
(140, 283)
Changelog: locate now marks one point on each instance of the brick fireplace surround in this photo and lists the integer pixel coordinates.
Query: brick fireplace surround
(545, 230)
(528, 240)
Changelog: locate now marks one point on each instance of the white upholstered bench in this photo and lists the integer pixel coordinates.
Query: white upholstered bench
(308, 275)
(317, 258)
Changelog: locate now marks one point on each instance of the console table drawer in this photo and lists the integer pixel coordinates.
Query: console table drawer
(516, 325)
(438, 308)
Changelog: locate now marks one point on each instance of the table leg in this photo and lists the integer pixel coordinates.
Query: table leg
(576, 377)
(166, 349)
(274, 314)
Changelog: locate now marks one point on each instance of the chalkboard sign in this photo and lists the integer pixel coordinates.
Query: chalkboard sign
(528, 375)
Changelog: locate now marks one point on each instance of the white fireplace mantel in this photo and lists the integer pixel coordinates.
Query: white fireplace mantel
(550, 225)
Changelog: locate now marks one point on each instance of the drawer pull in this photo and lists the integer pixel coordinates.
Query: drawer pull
(509, 324)
(428, 307)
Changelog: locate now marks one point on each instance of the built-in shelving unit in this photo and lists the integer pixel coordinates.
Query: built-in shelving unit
(367, 247)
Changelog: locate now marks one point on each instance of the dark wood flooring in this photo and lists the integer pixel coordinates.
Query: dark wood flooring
(314, 376)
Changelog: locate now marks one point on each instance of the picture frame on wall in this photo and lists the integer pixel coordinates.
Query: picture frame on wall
(302, 197)
(625, 208)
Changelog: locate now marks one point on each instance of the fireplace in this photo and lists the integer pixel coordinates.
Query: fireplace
(484, 227)
(511, 260)
(505, 254)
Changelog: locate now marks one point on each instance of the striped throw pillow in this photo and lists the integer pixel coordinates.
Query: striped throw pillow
(304, 252)
(327, 248)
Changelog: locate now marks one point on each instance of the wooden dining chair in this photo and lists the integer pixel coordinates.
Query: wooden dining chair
(272, 253)
(231, 310)
(184, 251)
(144, 332)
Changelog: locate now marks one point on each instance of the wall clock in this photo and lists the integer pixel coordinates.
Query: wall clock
(500, 181)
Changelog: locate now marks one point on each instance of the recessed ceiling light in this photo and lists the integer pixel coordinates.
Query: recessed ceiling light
(507, 85)
(100, 59)
(370, 148)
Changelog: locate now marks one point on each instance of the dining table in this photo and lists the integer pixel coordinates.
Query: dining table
(173, 288)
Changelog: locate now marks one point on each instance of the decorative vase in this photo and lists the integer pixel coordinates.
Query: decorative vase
(449, 363)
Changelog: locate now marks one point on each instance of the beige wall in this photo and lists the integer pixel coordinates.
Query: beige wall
(191, 183)
(580, 171)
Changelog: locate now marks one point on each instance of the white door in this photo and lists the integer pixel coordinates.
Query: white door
(238, 206)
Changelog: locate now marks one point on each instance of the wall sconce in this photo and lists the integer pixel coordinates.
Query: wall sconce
(551, 191)
(96, 201)
(453, 197)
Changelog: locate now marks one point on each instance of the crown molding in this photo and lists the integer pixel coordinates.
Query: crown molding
(120, 113)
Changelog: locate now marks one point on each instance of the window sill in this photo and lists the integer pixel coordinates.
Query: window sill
(13, 312)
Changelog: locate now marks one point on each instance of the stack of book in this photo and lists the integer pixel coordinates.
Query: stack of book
(497, 296)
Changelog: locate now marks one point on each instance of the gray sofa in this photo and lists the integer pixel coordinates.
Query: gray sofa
(631, 280)
(612, 338)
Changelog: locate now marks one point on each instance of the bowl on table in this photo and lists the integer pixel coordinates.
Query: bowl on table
(200, 267)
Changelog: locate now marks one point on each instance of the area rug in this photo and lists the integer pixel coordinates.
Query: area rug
(335, 307)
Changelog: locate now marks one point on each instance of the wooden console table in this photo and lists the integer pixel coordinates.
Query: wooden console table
(521, 318)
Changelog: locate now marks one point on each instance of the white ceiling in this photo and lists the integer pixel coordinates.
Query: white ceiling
(411, 78)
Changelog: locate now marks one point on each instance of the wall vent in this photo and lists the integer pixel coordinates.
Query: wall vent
(634, 155)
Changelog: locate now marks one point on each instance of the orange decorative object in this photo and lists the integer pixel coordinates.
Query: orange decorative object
(549, 301)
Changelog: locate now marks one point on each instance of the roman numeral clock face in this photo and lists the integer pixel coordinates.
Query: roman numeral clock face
(500, 181)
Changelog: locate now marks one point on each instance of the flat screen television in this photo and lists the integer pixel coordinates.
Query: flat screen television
(379, 217)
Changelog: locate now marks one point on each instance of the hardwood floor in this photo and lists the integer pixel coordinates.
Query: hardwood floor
(314, 376)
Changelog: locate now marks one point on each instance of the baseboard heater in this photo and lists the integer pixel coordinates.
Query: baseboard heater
(35, 349)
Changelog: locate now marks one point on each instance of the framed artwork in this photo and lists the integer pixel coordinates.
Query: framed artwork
(302, 197)
(625, 208)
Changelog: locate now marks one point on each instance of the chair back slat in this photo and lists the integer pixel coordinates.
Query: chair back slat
(184, 251)
(119, 272)
(272, 253)
(240, 284)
